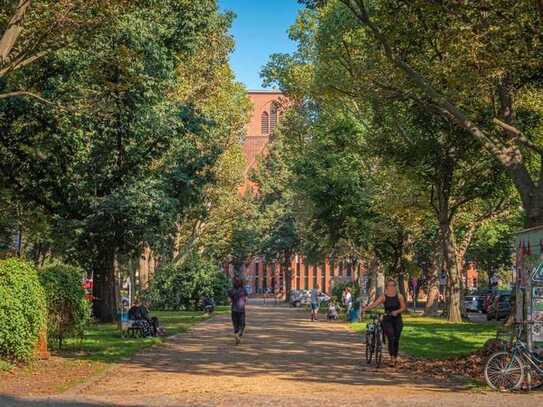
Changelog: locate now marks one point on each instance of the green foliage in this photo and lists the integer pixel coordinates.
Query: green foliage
(22, 309)
(140, 109)
(68, 312)
(181, 287)
(337, 291)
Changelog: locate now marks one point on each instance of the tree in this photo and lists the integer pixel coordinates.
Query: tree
(336, 63)
(493, 94)
(134, 157)
(32, 30)
(278, 235)
(491, 249)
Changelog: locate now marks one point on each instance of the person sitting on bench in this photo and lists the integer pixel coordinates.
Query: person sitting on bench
(140, 315)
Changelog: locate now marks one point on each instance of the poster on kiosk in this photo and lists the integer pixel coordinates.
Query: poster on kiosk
(537, 303)
(529, 283)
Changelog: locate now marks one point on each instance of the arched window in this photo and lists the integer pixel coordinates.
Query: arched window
(264, 123)
(274, 112)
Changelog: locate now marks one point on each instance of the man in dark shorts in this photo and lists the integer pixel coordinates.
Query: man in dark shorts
(238, 297)
(315, 302)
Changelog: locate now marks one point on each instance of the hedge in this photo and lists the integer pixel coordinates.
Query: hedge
(68, 312)
(22, 309)
(181, 287)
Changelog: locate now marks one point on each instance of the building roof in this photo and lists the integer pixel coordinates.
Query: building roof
(265, 91)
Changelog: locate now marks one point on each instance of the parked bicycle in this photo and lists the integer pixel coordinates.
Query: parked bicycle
(511, 369)
(374, 340)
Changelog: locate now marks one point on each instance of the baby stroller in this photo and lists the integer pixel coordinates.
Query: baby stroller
(208, 305)
(332, 313)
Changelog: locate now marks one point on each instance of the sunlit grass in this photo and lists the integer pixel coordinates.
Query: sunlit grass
(104, 343)
(435, 338)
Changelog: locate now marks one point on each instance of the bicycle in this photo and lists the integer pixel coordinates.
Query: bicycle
(374, 340)
(506, 370)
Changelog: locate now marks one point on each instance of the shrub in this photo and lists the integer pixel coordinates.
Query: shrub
(337, 292)
(68, 312)
(22, 309)
(178, 287)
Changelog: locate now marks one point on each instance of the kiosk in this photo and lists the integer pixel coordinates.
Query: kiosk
(528, 278)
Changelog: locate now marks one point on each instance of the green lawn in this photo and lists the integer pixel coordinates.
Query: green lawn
(103, 342)
(435, 338)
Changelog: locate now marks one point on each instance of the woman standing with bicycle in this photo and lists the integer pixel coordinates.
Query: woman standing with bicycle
(392, 322)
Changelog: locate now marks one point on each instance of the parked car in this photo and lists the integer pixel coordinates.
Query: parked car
(473, 303)
(490, 298)
(500, 308)
(299, 298)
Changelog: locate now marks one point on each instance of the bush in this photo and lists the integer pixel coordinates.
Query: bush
(180, 287)
(68, 312)
(337, 292)
(22, 309)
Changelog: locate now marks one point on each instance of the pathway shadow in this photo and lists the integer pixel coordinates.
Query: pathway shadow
(281, 342)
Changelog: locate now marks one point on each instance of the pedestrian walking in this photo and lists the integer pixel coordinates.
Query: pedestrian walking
(394, 304)
(347, 302)
(315, 293)
(238, 296)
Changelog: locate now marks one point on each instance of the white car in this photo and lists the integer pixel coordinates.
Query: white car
(303, 297)
(472, 303)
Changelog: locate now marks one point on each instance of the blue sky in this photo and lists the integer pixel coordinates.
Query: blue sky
(260, 29)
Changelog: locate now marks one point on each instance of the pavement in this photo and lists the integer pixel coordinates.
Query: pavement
(284, 360)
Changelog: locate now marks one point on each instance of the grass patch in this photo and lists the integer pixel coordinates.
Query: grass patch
(103, 342)
(435, 338)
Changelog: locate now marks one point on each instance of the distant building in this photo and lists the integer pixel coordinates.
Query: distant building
(267, 277)
(471, 276)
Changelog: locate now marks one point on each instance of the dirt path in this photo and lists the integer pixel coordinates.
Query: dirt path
(285, 360)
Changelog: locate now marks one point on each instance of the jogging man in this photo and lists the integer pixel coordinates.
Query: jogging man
(238, 297)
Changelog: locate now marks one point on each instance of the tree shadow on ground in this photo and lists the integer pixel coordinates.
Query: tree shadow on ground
(280, 343)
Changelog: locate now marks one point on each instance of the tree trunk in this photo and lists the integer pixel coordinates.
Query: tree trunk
(454, 310)
(401, 284)
(432, 300)
(287, 270)
(146, 266)
(534, 208)
(105, 303)
(372, 276)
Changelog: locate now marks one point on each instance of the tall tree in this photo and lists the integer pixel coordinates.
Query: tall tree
(493, 94)
(133, 156)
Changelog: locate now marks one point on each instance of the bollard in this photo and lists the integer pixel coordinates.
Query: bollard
(41, 349)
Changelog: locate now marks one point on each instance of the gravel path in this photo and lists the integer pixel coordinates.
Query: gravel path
(285, 360)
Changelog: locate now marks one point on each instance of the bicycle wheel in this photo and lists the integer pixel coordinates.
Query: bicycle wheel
(378, 350)
(369, 347)
(503, 371)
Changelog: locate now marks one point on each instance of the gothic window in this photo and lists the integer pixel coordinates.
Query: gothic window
(265, 123)
(273, 118)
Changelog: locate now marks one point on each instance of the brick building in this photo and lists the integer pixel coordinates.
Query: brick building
(267, 277)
